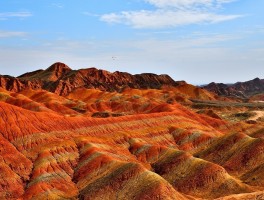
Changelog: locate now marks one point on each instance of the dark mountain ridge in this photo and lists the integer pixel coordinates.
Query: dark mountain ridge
(61, 79)
(240, 89)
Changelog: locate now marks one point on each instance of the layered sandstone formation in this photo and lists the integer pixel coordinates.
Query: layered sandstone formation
(141, 141)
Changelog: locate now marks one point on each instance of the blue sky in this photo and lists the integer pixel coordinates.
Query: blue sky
(194, 40)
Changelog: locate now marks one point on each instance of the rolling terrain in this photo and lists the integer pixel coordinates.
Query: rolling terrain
(93, 134)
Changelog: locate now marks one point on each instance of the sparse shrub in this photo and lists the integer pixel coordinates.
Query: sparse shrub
(244, 115)
(101, 114)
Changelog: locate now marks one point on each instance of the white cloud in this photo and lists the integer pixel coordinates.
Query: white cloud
(5, 34)
(187, 3)
(164, 18)
(172, 13)
(178, 3)
(6, 15)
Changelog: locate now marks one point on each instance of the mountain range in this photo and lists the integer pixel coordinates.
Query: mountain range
(61, 80)
(240, 89)
(92, 134)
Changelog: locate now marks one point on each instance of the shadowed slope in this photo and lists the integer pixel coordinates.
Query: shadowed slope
(102, 174)
(240, 155)
(187, 174)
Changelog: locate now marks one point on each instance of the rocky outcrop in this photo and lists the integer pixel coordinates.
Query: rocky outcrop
(16, 85)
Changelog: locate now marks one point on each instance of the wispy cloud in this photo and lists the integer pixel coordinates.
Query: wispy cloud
(7, 15)
(190, 4)
(57, 5)
(172, 13)
(6, 34)
(164, 18)
(90, 14)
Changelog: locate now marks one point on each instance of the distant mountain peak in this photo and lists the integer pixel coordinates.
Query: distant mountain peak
(256, 79)
(58, 67)
(240, 89)
(52, 73)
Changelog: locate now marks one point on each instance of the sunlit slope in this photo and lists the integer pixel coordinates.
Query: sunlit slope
(96, 103)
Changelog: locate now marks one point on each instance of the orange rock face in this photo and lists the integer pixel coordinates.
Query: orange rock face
(145, 140)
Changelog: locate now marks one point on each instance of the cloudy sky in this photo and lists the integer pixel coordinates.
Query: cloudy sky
(199, 41)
